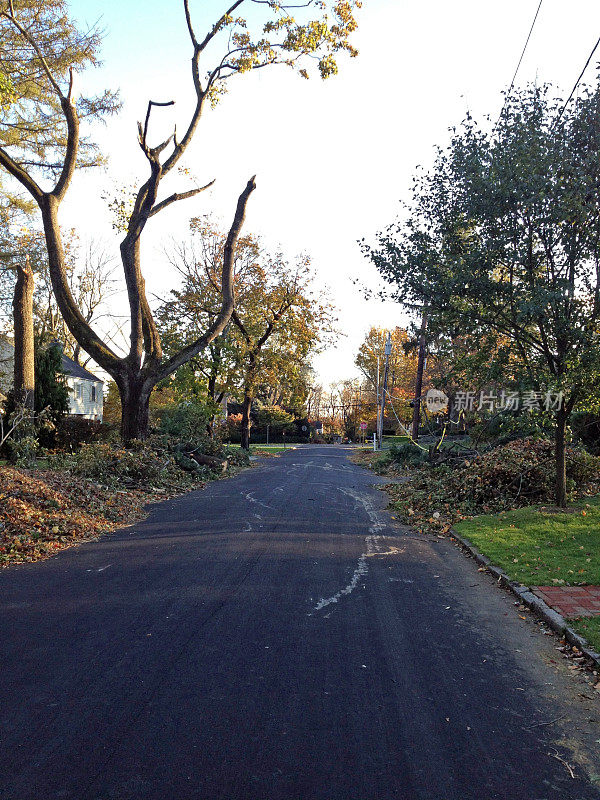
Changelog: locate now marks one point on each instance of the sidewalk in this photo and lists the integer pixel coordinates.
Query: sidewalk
(571, 601)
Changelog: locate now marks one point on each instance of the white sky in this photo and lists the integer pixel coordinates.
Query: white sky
(332, 159)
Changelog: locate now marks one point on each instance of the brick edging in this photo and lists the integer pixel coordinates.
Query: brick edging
(526, 596)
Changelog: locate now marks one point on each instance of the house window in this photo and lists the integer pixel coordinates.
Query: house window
(80, 391)
(93, 397)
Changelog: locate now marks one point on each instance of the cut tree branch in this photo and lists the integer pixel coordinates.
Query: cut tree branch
(178, 196)
(21, 175)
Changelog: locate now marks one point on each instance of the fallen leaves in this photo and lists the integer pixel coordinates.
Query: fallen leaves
(44, 511)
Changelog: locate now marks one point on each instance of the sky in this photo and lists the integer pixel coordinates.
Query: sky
(333, 159)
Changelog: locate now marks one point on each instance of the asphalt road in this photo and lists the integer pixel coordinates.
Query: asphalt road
(277, 637)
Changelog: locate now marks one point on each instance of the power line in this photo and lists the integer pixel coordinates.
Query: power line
(568, 100)
(514, 77)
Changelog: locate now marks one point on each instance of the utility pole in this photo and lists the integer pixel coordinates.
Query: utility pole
(388, 350)
(377, 400)
(419, 383)
(359, 410)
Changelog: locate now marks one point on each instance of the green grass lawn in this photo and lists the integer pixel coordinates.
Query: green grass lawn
(541, 547)
(589, 628)
(272, 448)
(388, 441)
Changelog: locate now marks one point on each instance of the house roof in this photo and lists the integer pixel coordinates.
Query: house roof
(69, 367)
(73, 369)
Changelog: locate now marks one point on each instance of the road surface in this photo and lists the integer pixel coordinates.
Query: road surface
(277, 636)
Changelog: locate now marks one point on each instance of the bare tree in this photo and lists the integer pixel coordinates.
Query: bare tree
(139, 371)
(281, 39)
(91, 274)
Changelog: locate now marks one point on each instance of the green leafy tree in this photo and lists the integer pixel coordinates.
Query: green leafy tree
(26, 426)
(51, 391)
(502, 241)
(41, 48)
(275, 417)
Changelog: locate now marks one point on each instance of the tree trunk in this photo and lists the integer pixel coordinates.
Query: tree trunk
(137, 373)
(212, 388)
(24, 365)
(211, 393)
(135, 409)
(419, 382)
(450, 412)
(560, 458)
(246, 408)
(144, 366)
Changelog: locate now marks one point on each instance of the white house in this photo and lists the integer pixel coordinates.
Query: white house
(86, 391)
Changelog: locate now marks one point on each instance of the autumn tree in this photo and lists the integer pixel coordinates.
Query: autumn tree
(42, 42)
(402, 362)
(270, 35)
(503, 238)
(314, 400)
(276, 325)
(336, 405)
(213, 373)
(344, 402)
(280, 325)
(402, 374)
(290, 388)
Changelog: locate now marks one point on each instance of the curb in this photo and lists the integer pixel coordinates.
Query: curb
(552, 618)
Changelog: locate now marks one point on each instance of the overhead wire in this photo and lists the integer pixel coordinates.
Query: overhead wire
(573, 90)
(514, 77)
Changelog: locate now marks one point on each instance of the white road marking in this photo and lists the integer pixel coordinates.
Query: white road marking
(249, 496)
(326, 467)
(359, 572)
(372, 543)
